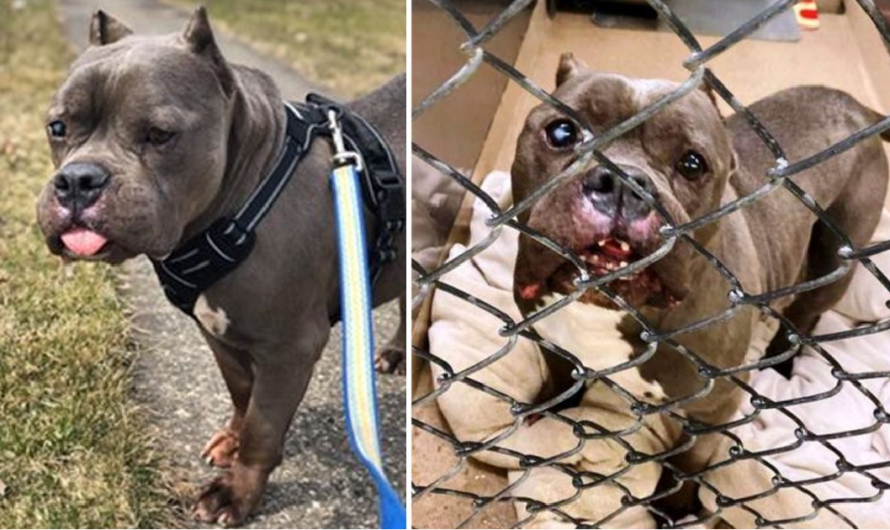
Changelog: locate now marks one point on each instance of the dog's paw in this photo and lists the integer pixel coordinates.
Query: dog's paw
(222, 449)
(218, 503)
(390, 361)
(230, 498)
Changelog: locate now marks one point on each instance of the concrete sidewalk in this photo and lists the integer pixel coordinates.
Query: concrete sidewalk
(320, 484)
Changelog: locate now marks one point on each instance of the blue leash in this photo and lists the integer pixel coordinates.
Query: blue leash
(359, 385)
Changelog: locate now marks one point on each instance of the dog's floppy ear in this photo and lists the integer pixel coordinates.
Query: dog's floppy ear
(105, 29)
(569, 67)
(198, 38)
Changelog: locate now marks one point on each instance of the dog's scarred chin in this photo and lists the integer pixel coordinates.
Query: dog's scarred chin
(607, 255)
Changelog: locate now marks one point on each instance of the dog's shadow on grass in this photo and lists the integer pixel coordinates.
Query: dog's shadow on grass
(330, 483)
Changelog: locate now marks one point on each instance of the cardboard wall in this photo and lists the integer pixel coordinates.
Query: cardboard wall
(456, 127)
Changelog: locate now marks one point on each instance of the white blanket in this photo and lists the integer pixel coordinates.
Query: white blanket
(464, 335)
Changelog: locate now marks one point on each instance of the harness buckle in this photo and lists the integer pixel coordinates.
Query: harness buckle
(342, 156)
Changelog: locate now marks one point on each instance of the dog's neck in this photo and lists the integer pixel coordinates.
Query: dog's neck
(708, 279)
(256, 132)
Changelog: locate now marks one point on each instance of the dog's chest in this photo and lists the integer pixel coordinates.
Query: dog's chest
(587, 331)
(592, 334)
(213, 320)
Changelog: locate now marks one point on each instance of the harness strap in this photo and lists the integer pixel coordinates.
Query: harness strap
(211, 255)
(383, 188)
(301, 130)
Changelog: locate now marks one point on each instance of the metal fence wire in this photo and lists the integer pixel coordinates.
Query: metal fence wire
(590, 151)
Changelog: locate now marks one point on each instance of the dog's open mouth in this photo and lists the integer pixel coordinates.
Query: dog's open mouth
(608, 255)
(605, 256)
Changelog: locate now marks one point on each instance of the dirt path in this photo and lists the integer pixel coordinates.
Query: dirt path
(320, 484)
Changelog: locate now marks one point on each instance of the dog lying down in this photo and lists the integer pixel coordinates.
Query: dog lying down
(463, 335)
(693, 162)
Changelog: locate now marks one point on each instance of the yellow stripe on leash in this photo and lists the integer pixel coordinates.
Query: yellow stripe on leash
(358, 394)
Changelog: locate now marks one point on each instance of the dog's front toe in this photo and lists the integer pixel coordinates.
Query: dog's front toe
(230, 498)
(222, 449)
(218, 503)
(390, 361)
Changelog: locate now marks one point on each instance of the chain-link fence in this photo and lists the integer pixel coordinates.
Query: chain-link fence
(557, 484)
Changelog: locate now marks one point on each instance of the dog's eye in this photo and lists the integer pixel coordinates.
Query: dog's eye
(158, 137)
(562, 134)
(57, 129)
(692, 166)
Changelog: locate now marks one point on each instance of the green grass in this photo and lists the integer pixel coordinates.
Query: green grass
(73, 451)
(349, 46)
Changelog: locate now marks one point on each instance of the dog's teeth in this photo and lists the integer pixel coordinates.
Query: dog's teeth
(596, 258)
(625, 247)
(623, 264)
(601, 242)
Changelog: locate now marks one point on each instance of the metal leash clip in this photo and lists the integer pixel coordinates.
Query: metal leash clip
(342, 156)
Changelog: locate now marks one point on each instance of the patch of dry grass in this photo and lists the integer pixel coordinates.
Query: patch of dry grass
(350, 46)
(73, 452)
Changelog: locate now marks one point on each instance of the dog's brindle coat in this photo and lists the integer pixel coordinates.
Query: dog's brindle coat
(771, 243)
(268, 321)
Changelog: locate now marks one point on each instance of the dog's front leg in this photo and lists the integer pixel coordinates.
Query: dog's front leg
(236, 367)
(281, 376)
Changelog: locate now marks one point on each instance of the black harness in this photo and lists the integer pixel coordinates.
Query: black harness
(209, 256)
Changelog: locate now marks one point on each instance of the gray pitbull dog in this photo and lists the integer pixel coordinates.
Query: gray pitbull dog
(156, 137)
(693, 161)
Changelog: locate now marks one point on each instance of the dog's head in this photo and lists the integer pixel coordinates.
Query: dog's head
(138, 133)
(682, 156)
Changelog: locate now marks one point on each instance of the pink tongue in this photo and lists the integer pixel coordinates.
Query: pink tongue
(83, 242)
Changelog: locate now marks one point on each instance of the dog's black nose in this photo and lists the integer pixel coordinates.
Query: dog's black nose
(610, 196)
(80, 184)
